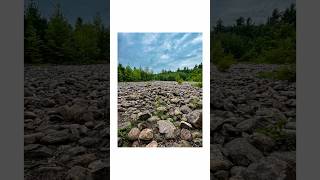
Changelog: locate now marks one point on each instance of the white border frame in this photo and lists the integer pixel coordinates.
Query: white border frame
(162, 16)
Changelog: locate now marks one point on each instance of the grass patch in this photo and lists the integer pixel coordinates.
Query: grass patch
(123, 132)
(277, 133)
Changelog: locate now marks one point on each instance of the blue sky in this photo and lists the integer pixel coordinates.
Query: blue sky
(158, 51)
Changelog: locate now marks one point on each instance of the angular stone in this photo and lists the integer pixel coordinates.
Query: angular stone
(269, 168)
(32, 138)
(262, 142)
(56, 137)
(195, 118)
(29, 115)
(166, 127)
(242, 152)
(185, 109)
(99, 170)
(217, 160)
(246, 125)
(185, 135)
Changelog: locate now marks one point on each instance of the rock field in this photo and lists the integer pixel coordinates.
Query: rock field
(253, 125)
(66, 122)
(159, 114)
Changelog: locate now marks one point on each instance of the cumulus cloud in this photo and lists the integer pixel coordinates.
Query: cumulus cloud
(158, 51)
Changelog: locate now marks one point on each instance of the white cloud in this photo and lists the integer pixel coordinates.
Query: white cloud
(166, 45)
(164, 56)
(198, 39)
(149, 38)
(180, 41)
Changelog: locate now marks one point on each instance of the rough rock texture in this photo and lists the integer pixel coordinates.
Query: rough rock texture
(171, 110)
(66, 122)
(253, 123)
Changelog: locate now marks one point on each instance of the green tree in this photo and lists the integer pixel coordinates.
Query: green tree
(59, 38)
(34, 27)
(32, 52)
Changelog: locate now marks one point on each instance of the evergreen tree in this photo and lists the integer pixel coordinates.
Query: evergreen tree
(32, 52)
(59, 38)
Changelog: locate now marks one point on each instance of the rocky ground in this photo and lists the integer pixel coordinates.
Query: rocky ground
(253, 125)
(66, 122)
(159, 114)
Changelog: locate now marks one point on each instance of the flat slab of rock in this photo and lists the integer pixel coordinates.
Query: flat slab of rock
(56, 137)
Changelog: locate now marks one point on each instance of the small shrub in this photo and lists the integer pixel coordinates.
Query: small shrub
(197, 84)
(286, 73)
(179, 81)
(278, 135)
(123, 132)
(225, 63)
(282, 73)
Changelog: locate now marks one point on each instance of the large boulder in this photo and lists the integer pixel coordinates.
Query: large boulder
(269, 168)
(242, 152)
(146, 134)
(133, 134)
(166, 127)
(217, 159)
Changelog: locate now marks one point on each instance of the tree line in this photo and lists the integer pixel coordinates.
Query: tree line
(133, 74)
(271, 42)
(56, 41)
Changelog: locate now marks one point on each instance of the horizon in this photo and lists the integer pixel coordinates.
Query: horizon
(159, 51)
(132, 67)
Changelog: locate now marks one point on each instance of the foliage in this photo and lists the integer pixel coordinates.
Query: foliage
(197, 84)
(179, 80)
(123, 133)
(287, 72)
(272, 42)
(277, 133)
(127, 74)
(56, 41)
(225, 63)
